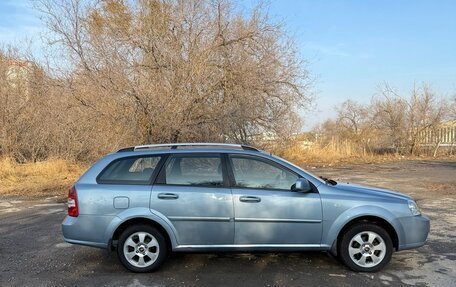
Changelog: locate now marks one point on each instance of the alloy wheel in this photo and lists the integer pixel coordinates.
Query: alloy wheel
(141, 249)
(367, 249)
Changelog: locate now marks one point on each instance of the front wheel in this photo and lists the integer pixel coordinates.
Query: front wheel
(366, 248)
(141, 248)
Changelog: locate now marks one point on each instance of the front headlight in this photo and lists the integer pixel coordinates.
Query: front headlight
(413, 207)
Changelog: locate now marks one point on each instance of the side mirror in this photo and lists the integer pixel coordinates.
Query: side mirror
(302, 185)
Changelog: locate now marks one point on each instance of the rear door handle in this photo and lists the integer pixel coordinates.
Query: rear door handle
(249, 199)
(168, 196)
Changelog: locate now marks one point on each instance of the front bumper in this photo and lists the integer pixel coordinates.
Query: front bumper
(416, 230)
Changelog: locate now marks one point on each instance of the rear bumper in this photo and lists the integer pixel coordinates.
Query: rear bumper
(86, 243)
(85, 230)
(416, 230)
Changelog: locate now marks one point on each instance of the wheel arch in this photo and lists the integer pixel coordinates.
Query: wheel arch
(372, 214)
(369, 219)
(140, 216)
(139, 221)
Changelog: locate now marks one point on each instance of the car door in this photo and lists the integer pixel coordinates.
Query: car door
(192, 191)
(267, 211)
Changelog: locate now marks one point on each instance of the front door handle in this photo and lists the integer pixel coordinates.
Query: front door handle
(168, 196)
(249, 199)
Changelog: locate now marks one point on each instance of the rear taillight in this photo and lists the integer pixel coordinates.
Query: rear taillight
(72, 203)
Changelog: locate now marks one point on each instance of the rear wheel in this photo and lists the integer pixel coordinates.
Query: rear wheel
(141, 248)
(366, 248)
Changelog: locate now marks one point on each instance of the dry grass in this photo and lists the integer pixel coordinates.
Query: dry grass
(55, 176)
(334, 154)
(42, 179)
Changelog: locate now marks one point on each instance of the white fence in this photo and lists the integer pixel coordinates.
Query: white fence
(443, 136)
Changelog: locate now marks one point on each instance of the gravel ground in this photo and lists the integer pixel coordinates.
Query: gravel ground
(33, 253)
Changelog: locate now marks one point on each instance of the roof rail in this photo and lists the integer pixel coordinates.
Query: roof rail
(176, 145)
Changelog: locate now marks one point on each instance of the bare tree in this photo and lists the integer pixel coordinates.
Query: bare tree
(424, 112)
(389, 116)
(390, 121)
(353, 124)
(452, 109)
(352, 117)
(23, 97)
(179, 70)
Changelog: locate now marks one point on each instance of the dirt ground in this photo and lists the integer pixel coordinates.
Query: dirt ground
(33, 253)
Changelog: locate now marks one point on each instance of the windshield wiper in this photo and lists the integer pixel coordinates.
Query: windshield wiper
(328, 180)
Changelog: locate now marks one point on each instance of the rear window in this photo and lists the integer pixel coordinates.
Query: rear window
(130, 170)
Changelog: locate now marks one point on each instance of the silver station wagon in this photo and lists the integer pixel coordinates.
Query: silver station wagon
(147, 201)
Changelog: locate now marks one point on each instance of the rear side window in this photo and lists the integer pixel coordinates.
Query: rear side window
(199, 170)
(130, 170)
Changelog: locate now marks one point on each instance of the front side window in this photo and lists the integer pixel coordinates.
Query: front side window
(256, 173)
(200, 170)
(130, 170)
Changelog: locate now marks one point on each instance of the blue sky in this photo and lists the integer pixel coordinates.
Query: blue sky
(352, 46)
(18, 21)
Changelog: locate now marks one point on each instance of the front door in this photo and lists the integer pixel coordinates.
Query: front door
(193, 193)
(267, 210)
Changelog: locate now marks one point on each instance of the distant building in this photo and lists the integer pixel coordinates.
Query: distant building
(18, 70)
(19, 74)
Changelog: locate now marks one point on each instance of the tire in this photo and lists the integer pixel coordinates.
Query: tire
(365, 247)
(142, 248)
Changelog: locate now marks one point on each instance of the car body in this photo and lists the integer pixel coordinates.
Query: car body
(226, 197)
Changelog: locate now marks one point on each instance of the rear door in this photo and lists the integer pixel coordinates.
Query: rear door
(192, 191)
(124, 183)
(267, 210)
